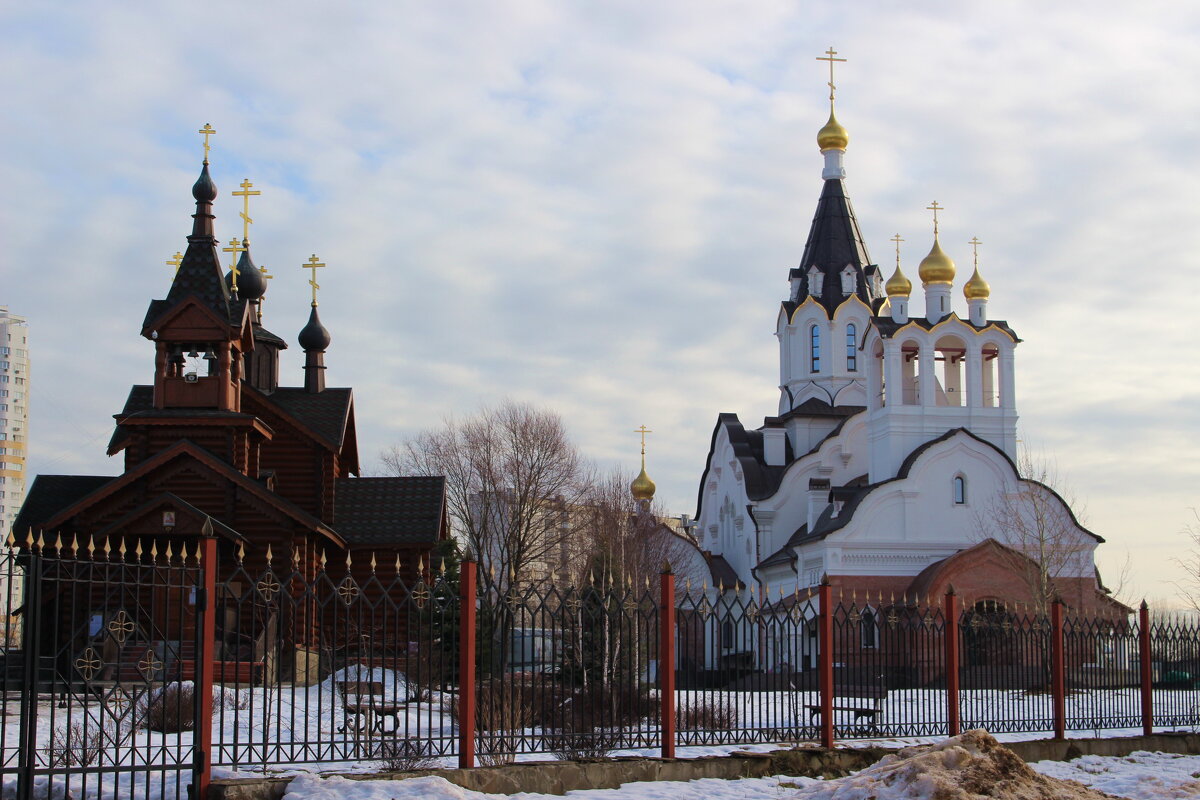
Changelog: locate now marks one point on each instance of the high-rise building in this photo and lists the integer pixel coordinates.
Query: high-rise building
(14, 414)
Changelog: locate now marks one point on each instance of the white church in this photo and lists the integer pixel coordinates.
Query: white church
(890, 468)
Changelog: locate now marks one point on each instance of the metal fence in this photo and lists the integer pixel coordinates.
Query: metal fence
(141, 672)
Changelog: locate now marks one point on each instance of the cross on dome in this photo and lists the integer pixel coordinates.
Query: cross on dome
(206, 132)
(313, 264)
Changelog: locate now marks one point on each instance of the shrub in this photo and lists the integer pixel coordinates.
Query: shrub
(401, 754)
(79, 744)
(171, 709)
(699, 715)
(590, 723)
(502, 709)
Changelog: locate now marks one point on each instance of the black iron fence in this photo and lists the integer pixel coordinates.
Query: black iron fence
(143, 672)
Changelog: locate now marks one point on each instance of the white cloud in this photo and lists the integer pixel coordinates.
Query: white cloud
(595, 207)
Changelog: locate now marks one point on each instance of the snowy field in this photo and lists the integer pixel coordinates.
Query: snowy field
(1140, 776)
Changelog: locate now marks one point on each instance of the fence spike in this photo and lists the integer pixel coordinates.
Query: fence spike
(893, 597)
(29, 539)
(41, 542)
(121, 548)
(721, 586)
(373, 562)
(11, 541)
(323, 559)
(138, 550)
(58, 544)
(295, 556)
(347, 561)
(241, 551)
(153, 551)
(167, 554)
(397, 563)
(91, 548)
(270, 555)
(854, 597)
(442, 568)
(687, 584)
(421, 565)
(647, 578)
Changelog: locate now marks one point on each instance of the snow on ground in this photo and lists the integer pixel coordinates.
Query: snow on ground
(970, 766)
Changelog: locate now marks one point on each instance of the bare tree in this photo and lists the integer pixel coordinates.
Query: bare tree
(1047, 539)
(1189, 586)
(621, 544)
(512, 473)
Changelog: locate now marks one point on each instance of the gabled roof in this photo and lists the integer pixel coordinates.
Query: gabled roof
(117, 527)
(326, 413)
(887, 327)
(761, 480)
(390, 511)
(140, 405)
(185, 448)
(49, 494)
(200, 275)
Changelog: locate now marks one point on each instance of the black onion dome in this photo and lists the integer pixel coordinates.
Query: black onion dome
(204, 190)
(314, 336)
(251, 284)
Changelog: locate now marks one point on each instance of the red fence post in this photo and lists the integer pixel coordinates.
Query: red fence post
(1147, 670)
(1058, 684)
(950, 639)
(825, 661)
(206, 635)
(666, 660)
(467, 582)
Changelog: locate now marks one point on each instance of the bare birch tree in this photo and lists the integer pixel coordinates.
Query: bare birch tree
(1036, 521)
(511, 471)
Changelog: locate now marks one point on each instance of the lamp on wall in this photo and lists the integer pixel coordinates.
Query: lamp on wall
(168, 521)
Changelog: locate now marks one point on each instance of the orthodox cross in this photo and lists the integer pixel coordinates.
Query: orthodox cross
(829, 56)
(246, 194)
(206, 132)
(266, 277)
(643, 430)
(975, 249)
(935, 208)
(175, 261)
(313, 264)
(234, 248)
(897, 240)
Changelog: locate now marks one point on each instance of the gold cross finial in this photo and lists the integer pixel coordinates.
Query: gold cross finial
(829, 56)
(313, 264)
(643, 430)
(246, 194)
(234, 248)
(975, 249)
(935, 208)
(175, 261)
(206, 132)
(897, 240)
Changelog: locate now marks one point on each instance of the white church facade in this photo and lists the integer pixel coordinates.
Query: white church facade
(890, 468)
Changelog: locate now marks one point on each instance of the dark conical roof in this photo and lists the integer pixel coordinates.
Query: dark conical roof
(314, 336)
(251, 284)
(834, 240)
(200, 273)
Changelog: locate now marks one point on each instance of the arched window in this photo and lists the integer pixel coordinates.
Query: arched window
(960, 490)
(814, 349)
(851, 348)
(868, 629)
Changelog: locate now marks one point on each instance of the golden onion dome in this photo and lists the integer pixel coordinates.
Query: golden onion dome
(977, 288)
(937, 267)
(898, 285)
(642, 487)
(833, 136)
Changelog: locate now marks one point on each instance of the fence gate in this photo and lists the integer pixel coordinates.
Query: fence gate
(92, 699)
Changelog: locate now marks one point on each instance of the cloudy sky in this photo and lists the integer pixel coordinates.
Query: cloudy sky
(594, 207)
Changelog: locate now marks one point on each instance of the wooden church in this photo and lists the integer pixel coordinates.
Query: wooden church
(216, 444)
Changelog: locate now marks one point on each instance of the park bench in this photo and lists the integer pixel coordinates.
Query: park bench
(877, 695)
(365, 707)
(225, 672)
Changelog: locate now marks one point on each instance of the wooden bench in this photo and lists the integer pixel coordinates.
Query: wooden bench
(366, 709)
(234, 672)
(876, 694)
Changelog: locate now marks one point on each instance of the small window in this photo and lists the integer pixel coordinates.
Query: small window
(851, 348)
(960, 490)
(868, 629)
(814, 340)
